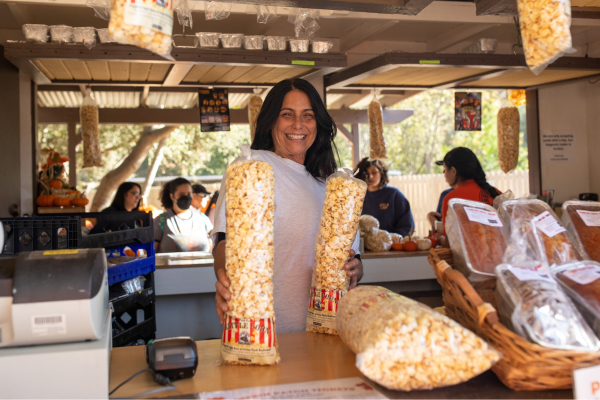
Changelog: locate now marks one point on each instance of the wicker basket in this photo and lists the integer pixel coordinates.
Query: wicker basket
(525, 366)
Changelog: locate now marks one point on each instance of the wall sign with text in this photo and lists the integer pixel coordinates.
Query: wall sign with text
(214, 110)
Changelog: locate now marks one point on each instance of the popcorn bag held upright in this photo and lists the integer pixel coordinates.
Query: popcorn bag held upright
(249, 329)
(343, 204)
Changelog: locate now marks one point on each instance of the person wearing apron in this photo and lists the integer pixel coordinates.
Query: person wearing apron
(181, 227)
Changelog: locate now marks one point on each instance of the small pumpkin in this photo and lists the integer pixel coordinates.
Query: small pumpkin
(397, 246)
(410, 245)
(73, 192)
(45, 200)
(56, 184)
(62, 202)
(79, 201)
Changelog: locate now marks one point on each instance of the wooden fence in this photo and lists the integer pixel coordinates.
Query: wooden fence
(423, 191)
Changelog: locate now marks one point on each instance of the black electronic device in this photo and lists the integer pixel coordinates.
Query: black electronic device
(174, 358)
(588, 196)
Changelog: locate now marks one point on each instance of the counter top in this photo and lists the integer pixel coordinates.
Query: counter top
(305, 357)
(393, 254)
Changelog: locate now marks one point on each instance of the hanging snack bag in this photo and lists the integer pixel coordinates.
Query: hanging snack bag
(558, 244)
(249, 330)
(88, 113)
(216, 11)
(405, 345)
(508, 123)
(546, 31)
(254, 105)
(343, 204)
(144, 23)
(582, 220)
(581, 281)
(376, 139)
(532, 304)
(478, 240)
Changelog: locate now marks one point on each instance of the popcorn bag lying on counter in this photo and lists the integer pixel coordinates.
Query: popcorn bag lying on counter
(249, 329)
(343, 204)
(144, 23)
(582, 220)
(405, 345)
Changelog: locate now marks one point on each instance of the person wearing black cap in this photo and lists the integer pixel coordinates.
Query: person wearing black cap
(463, 170)
(199, 192)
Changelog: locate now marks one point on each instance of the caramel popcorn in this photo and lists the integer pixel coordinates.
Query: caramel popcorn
(546, 31)
(144, 23)
(88, 114)
(367, 223)
(376, 139)
(339, 224)
(378, 240)
(405, 345)
(254, 105)
(508, 138)
(250, 209)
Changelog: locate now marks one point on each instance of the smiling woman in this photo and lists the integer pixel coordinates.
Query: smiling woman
(295, 136)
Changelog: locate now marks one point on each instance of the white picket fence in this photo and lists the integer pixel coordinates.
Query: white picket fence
(423, 191)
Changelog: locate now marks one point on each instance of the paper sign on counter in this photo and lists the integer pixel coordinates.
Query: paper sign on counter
(347, 388)
(584, 275)
(590, 218)
(546, 223)
(586, 383)
(482, 216)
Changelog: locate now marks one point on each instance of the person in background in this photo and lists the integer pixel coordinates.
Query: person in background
(198, 195)
(127, 198)
(181, 227)
(386, 203)
(437, 214)
(463, 171)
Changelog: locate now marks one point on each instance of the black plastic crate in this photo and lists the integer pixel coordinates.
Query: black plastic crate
(122, 301)
(138, 335)
(113, 229)
(131, 317)
(35, 234)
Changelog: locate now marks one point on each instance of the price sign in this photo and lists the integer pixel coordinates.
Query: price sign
(586, 383)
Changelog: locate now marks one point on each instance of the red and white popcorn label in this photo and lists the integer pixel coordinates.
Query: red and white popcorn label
(323, 307)
(249, 340)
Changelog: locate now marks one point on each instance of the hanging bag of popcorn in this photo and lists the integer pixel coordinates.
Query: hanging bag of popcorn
(343, 204)
(254, 105)
(249, 329)
(508, 124)
(545, 30)
(88, 114)
(144, 23)
(376, 139)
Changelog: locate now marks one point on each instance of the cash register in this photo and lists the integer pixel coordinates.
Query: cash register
(55, 331)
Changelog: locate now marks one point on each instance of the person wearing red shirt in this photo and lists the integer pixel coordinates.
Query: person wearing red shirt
(462, 168)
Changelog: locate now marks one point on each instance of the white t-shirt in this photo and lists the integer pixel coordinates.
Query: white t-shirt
(298, 204)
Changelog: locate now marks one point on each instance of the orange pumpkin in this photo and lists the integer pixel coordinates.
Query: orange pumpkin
(45, 200)
(80, 201)
(397, 246)
(73, 192)
(410, 245)
(56, 184)
(62, 202)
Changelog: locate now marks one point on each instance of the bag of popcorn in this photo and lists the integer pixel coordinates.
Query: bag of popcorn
(376, 138)
(88, 114)
(546, 31)
(343, 204)
(404, 345)
(144, 23)
(249, 329)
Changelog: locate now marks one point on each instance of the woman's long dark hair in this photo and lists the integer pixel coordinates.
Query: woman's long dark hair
(170, 188)
(468, 167)
(118, 202)
(363, 167)
(320, 157)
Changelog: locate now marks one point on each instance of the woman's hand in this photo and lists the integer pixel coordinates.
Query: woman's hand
(222, 294)
(354, 270)
(432, 217)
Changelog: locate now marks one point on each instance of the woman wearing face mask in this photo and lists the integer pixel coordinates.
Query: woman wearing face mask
(181, 227)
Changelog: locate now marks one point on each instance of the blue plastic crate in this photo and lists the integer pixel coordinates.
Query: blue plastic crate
(120, 273)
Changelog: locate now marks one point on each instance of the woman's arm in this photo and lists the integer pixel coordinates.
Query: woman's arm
(222, 285)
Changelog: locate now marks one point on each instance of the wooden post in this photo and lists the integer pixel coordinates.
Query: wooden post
(533, 142)
(355, 145)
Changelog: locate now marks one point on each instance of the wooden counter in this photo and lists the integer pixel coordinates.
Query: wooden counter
(305, 357)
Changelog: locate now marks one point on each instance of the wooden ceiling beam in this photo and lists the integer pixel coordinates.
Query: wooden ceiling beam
(362, 32)
(455, 35)
(140, 89)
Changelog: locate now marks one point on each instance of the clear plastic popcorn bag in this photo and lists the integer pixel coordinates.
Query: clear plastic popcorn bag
(88, 113)
(343, 204)
(249, 330)
(376, 139)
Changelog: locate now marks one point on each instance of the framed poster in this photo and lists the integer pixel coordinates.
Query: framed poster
(467, 111)
(214, 110)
